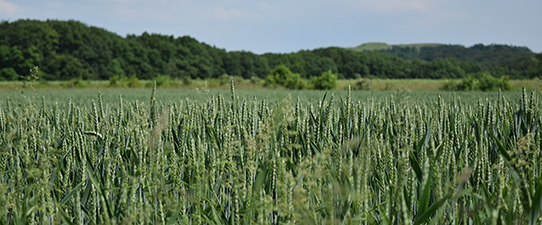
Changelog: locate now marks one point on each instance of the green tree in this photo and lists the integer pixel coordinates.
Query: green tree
(8, 73)
(478, 82)
(326, 81)
(67, 49)
(115, 69)
(283, 76)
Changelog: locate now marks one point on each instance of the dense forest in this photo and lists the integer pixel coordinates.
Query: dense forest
(66, 50)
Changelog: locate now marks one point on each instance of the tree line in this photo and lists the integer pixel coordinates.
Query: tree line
(65, 50)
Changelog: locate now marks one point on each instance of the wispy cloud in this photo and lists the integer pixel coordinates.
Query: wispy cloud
(8, 7)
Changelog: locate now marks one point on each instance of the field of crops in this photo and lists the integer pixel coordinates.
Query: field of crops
(270, 157)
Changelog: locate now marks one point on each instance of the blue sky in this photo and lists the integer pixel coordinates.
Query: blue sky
(290, 25)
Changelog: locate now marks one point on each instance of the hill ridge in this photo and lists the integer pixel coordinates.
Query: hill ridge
(66, 50)
(375, 46)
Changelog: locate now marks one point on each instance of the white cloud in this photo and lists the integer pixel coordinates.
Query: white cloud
(8, 7)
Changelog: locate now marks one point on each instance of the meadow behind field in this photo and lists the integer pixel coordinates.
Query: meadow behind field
(170, 95)
(249, 84)
(415, 90)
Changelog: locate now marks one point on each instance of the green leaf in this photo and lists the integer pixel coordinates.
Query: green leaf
(426, 196)
(423, 218)
(86, 194)
(65, 216)
(260, 179)
(416, 166)
(501, 148)
(98, 185)
(534, 214)
(71, 193)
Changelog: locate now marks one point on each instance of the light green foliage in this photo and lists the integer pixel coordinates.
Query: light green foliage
(131, 82)
(114, 81)
(28, 81)
(77, 83)
(228, 158)
(326, 81)
(478, 82)
(163, 81)
(282, 76)
(115, 69)
(223, 79)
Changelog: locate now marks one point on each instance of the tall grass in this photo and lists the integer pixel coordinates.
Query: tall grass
(242, 160)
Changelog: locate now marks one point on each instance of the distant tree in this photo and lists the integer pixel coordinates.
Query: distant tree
(8, 73)
(478, 82)
(69, 49)
(114, 68)
(326, 81)
(283, 76)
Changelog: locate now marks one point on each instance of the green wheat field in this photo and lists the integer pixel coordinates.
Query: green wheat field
(270, 157)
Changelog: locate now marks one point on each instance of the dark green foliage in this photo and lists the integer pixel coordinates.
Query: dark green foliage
(517, 62)
(19, 60)
(114, 68)
(66, 50)
(8, 73)
(186, 81)
(362, 84)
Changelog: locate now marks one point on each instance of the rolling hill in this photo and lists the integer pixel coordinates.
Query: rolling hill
(379, 46)
(66, 50)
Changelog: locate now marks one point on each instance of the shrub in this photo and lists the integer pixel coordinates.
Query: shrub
(282, 76)
(133, 82)
(326, 81)
(117, 81)
(186, 80)
(255, 80)
(163, 81)
(293, 81)
(114, 81)
(270, 81)
(478, 82)
(469, 83)
(223, 79)
(362, 84)
(8, 74)
(489, 83)
(77, 83)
